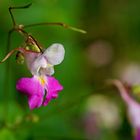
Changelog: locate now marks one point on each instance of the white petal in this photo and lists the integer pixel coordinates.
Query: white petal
(30, 58)
(49, 70)
(55, 54)
(39, 63)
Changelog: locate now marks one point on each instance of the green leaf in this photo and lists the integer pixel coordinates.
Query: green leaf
(6, 134)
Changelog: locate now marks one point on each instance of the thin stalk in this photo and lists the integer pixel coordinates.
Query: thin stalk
(36, 43)
(18, 7)
(6, 82)
(56, 24)
(7, 72)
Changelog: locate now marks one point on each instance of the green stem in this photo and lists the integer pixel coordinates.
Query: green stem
(56, 24)
(6, 82)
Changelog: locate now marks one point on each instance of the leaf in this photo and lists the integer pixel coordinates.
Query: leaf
(6, 134)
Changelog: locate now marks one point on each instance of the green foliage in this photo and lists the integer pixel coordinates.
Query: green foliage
(6, 134)
(108, 22)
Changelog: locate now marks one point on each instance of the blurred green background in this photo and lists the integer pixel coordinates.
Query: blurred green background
(86, 109)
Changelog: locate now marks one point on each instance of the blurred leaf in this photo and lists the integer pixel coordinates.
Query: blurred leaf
(15, 113)
(6, 134)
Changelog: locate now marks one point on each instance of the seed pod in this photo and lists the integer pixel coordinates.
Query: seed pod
(19, 58)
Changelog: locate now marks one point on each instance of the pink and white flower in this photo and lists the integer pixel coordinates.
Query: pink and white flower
(42, 87)
(133, 107)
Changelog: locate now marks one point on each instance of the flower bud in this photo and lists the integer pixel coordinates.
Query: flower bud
(19, 58)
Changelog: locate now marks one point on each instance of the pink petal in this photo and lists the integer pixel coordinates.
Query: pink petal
(53, 87)
(35, 101)
(132, 105)
(32, 88)
(137, 135)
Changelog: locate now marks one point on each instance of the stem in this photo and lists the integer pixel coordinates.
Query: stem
(18, 7)
(20, 49)
(9, 40)
(6, 82)
(123, 91)
(22, 32)
(56, 24)
(7, 72)
(12, 17)
(6, 89)
(35, 42)
(9, 54)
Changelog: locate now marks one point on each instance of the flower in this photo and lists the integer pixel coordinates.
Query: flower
(42, 87)
(133, 108)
